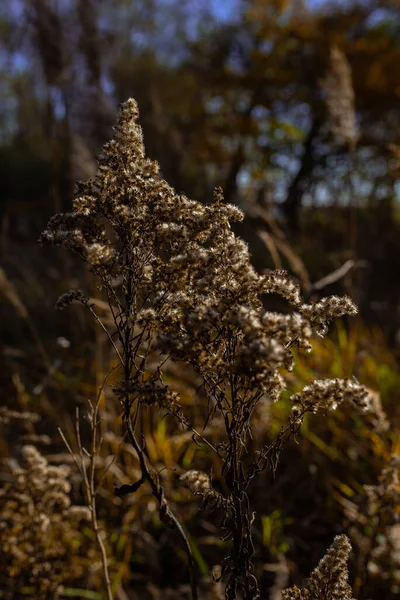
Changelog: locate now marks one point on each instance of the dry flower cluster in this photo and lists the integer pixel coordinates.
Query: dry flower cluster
(181, 287)
(329, 581)
(200, 485)
(39, 529)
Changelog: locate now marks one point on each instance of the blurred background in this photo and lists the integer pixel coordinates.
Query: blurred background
(292, 106)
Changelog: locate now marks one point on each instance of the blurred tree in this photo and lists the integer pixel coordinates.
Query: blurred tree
(250, 98)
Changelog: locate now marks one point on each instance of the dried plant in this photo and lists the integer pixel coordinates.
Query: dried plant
(375, 528)
(39, 529)
(88, 478)
(181, 288)
(329, 581)
(338, 89)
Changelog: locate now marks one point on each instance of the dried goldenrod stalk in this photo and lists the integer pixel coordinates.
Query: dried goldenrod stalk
(39, 529)
(181, 287)
(321, 313)
(329, 581)
(328, 394)
(338, 89)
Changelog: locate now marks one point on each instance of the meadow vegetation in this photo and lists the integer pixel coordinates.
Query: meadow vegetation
(199, 396)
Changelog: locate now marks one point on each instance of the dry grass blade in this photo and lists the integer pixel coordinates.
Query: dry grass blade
(337, 274)
(276, 240)
(8, 290)
(87, 470)
(269, 241)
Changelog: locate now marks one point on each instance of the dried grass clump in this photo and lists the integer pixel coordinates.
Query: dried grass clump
(181, 287)
(39, 529)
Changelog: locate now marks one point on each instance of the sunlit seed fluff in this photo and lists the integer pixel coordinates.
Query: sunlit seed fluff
(329, 581)
(197, 482)
(328, 394)
(98, 254)
(80, 513)
(332, 572)
(286, 328)
(200, 485)
(38, 537)
(278, 282)
(375, 412)
(331, 307)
